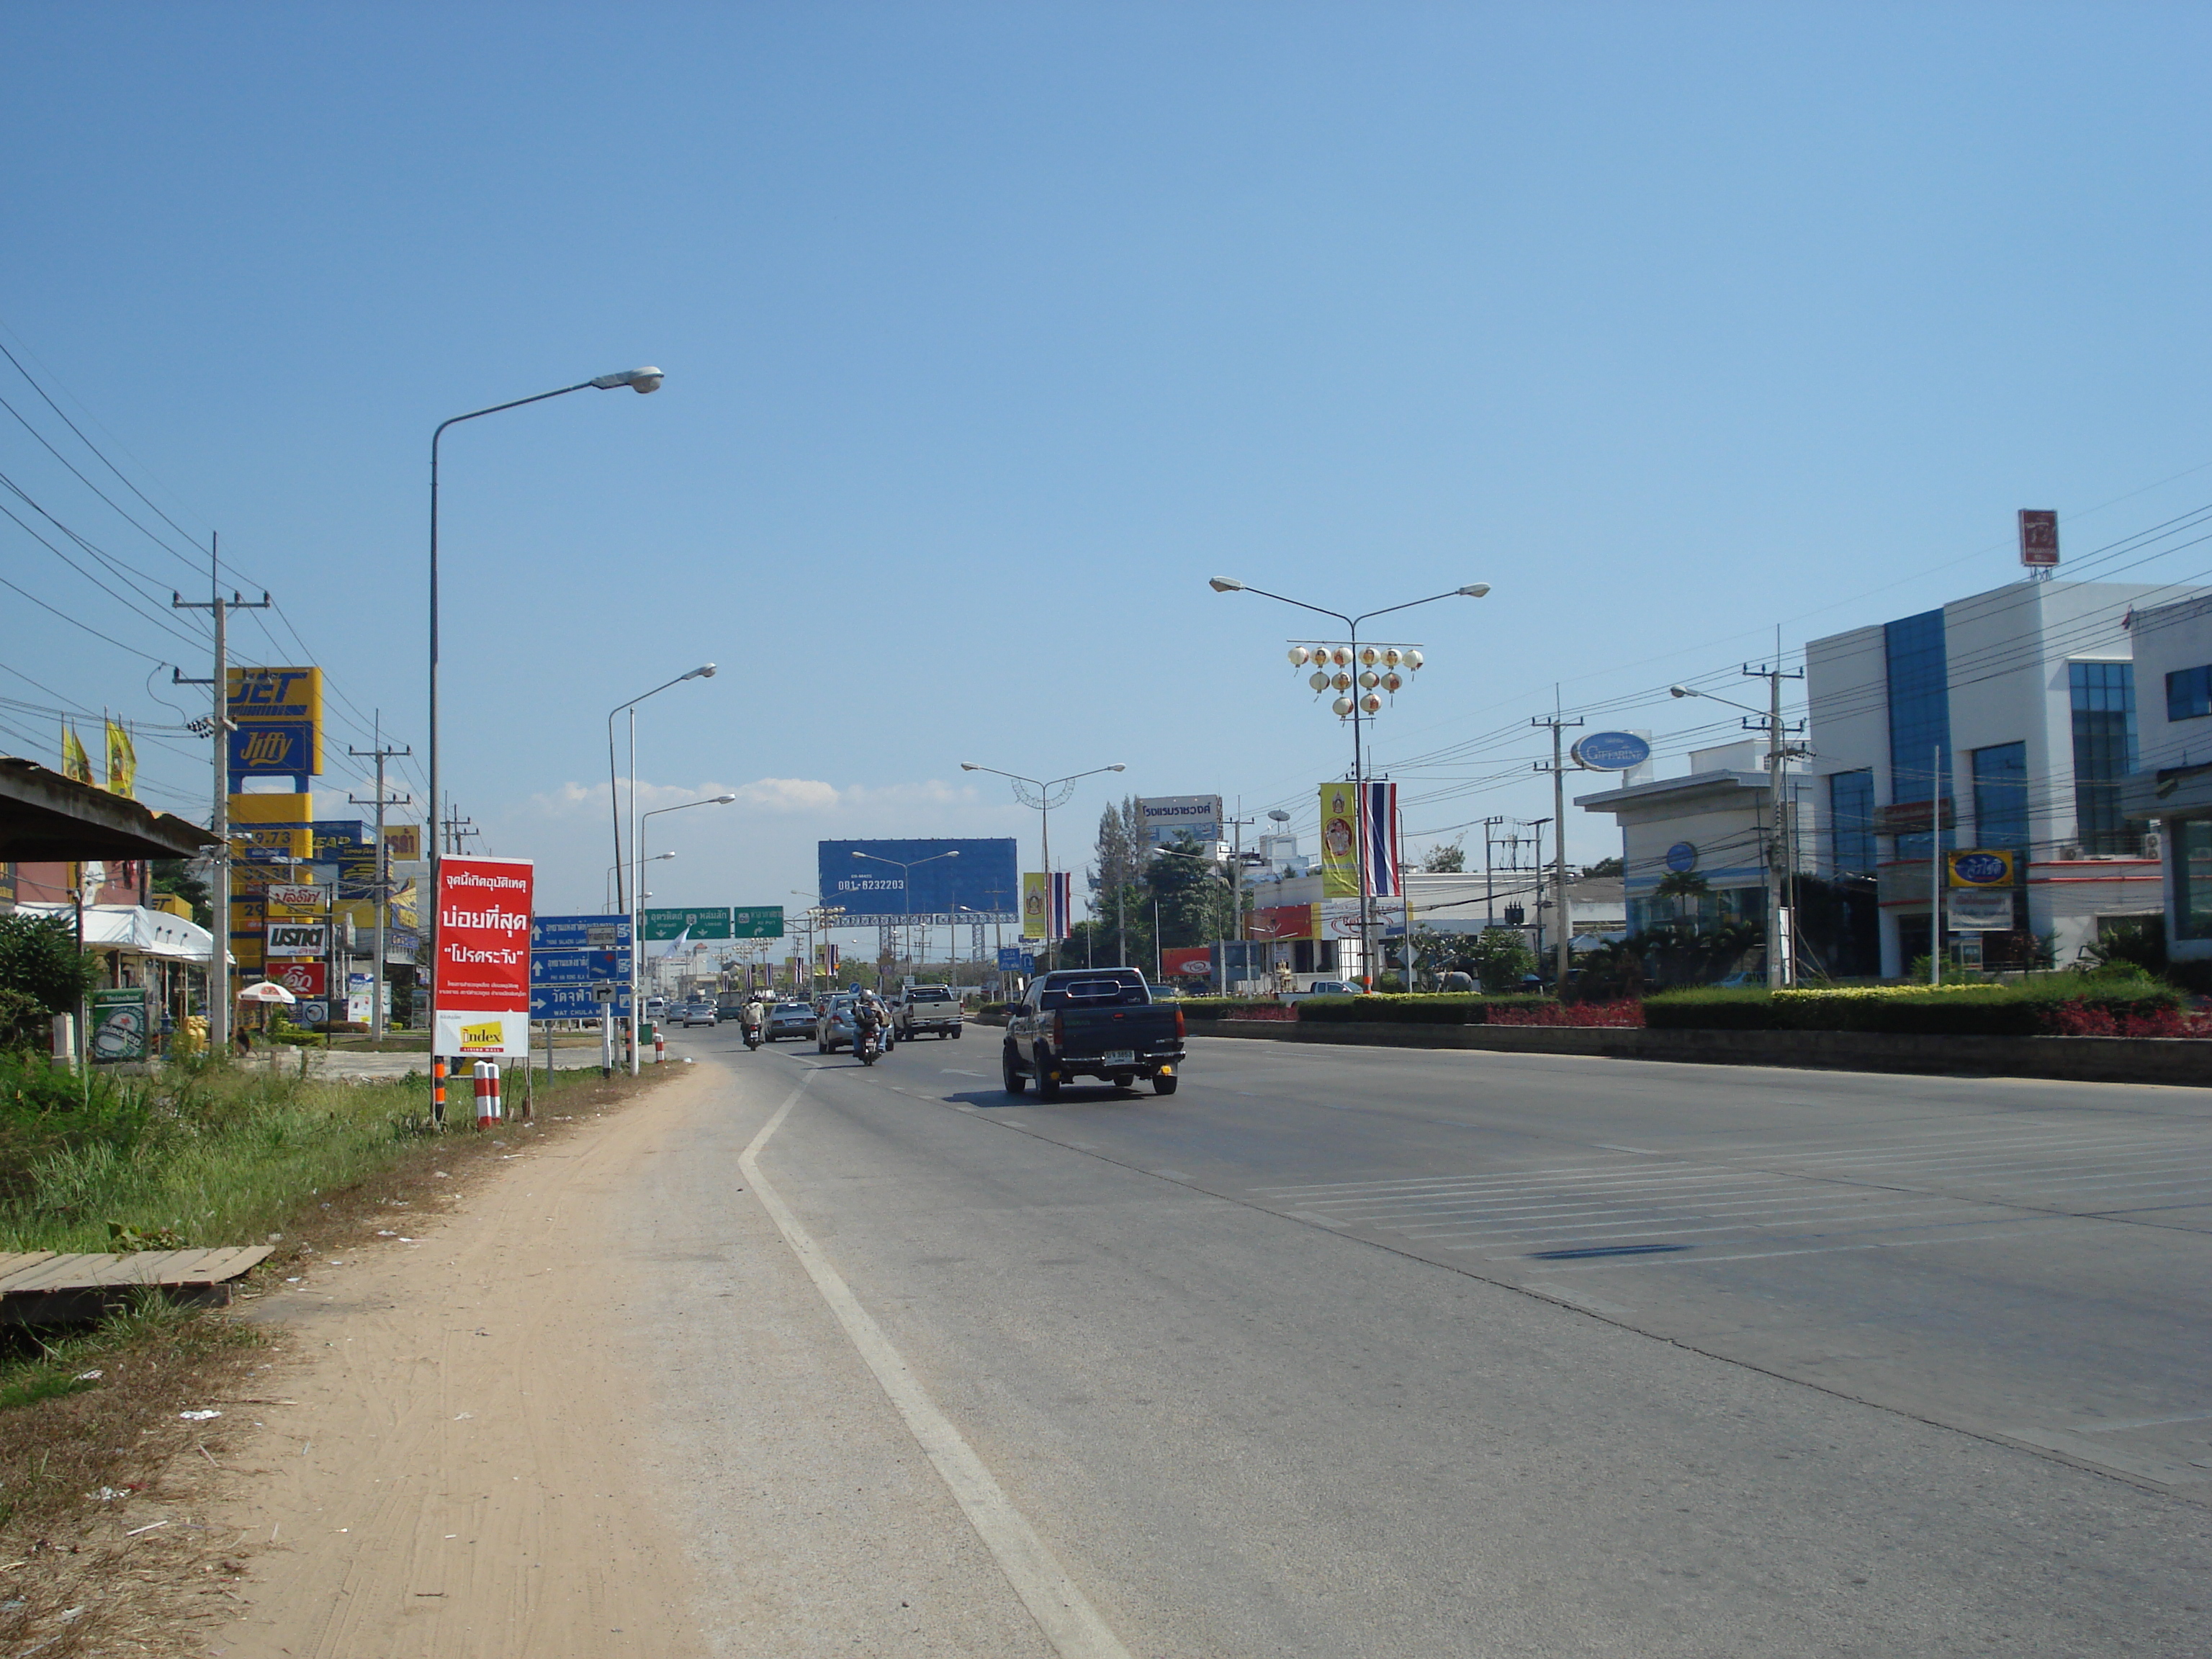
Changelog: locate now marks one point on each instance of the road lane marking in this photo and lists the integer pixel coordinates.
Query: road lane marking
(1064, 1615)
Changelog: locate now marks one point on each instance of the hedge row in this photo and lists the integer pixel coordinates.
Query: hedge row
(2030, 1009)
(1430, 1008)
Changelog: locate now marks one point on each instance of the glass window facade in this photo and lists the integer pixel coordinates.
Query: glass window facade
(2192, 877)
(1851, 822)
(2104, 753)
(2189, 694)
(2001, 797)
(1919, 718)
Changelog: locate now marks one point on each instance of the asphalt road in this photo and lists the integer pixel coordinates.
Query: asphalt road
(1389, 1352)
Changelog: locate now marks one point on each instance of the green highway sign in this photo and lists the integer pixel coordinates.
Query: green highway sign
(760, 921)
(660, 924)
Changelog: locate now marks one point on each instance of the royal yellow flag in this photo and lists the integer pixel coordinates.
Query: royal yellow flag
(1037, 904)
(76, 763)
(122, 761)
(1339, 841)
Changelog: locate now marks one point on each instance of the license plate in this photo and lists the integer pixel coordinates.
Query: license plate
(1119, 1057)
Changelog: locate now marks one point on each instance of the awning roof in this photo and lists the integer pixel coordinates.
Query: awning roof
(135, 928)
(45, 818)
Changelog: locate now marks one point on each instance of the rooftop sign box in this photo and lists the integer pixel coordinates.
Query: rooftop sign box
(1612, 751)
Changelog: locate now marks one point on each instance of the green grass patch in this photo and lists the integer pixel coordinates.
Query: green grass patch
(200, 1153)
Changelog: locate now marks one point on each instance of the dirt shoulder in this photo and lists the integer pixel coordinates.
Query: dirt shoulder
(453, 1469)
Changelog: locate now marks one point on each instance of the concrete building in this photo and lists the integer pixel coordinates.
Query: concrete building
(2171, 783)
(2006, 720)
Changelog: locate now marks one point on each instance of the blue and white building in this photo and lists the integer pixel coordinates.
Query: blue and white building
(2171, 784)
(2006, 720)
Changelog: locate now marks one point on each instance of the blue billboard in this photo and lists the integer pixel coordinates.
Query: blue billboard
(883, 880)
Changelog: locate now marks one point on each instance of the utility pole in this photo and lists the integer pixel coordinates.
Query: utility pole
(1489, 887)
(1781, 921)
(219, 947)
(1558, 769)
(1237, 901)
(380, 754)
(458, 828)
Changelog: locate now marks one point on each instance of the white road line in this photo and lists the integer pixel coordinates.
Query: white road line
(1070, 1623)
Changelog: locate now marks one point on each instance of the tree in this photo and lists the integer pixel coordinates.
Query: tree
(1500, 958)
(175, 876)
(1193, 899)
(1446, 857)
(1612, 867)
(40, 960)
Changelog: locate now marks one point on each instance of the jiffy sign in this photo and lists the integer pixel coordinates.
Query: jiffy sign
(482, 986)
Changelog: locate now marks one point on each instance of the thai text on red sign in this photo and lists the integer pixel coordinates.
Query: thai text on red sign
(483, 935)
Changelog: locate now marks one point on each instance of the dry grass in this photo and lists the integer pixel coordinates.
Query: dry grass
(105, 1487)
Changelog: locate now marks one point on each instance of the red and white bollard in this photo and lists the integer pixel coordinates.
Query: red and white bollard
(488, 1104)
(660, 1047)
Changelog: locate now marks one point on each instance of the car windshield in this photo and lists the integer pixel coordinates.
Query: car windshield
(1093, 993)
(929, 995)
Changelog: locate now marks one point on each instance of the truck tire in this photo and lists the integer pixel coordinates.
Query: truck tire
(955, 1033)
(1014, 1081)
(1165, 1083)
(1048, 1085)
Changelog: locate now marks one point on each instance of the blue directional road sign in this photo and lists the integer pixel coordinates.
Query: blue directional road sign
(575, 1002)
(1010, 958)
(577, 967)
(579, 933)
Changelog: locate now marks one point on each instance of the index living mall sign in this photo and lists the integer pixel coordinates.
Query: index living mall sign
(482, 978)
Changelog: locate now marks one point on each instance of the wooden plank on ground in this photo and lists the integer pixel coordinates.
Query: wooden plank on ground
(15, 1261)
(115, 1270)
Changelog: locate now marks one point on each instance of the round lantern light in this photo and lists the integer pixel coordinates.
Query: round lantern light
(1412, 659)
(1394, 682)
(1340, 656)
(1300, 656)
(1342, 682)
(1370, 680)
(1342, 705)
(1391, 658)
(1370, 656)
(1318, 679)
(1371, 704)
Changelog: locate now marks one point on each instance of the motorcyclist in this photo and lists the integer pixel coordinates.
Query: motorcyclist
(756, 1018)
(869, 1015)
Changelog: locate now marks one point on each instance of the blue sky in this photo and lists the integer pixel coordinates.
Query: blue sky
(991, 331)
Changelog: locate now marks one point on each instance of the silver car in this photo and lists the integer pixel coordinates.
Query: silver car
(834, 1030)
(790, 1020)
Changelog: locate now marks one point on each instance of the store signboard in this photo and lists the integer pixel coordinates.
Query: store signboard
(1168, 818)
(296, 939)
(1973, 910)
(302, 978)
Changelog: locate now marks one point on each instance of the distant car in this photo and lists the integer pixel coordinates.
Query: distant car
(1325, 987)
(926, 1008)
(656, 1008)
(790, 1020)
(699, 1013)
(834, 1030)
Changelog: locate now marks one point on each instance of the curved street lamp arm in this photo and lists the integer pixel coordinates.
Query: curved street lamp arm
(1408, 605)
(1319, 611)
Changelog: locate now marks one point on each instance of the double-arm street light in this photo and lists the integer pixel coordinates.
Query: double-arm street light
(1363, 703)
(905, 882)
(607, 882)
(705, 671)
(637, 897)
(638, 380)
(1044, 794)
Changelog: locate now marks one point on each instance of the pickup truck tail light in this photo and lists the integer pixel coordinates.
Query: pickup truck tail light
(1058, 1031)
(1179, 1026)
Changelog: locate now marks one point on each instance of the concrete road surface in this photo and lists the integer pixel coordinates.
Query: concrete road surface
(1384, 1352)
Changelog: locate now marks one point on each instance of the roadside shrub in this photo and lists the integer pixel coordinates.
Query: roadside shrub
(1623, 1013)
(2026, 1010)
(1225, 1007)
(1428, 1008)
(40, 959)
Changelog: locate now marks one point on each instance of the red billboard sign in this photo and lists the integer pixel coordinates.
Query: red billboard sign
(301, 978)
(2039, 538)
(484, 935)
(1187, 962)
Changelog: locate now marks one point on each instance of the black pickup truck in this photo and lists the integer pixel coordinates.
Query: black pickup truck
(1092, 1022)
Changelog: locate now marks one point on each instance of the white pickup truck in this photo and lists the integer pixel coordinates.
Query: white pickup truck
(926, 1008)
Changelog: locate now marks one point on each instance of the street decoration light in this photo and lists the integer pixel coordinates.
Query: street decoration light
(1044, 794)
(1362, 676)
(638, 380)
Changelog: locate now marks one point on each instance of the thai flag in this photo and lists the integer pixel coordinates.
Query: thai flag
(1063, 903)
(1378, 840)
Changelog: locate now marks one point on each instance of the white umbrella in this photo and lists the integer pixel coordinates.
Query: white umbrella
(267, 991)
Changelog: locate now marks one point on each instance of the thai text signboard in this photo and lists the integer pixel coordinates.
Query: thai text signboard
(482, 975)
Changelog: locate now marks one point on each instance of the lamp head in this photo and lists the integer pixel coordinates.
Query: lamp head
(705, 671)
(724, 800)
(1117, 768)
(1225, 585)
(1475, 590)
(1680, 691)
(969, 766)
(637, 379)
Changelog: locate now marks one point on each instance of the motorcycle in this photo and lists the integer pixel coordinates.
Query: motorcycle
(868, 1044)
(752, 1035)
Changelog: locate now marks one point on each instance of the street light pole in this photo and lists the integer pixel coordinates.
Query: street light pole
(1472, 591)
(637, 896)
(906, 882)
(704, 672)
(1780, 934)
(1044, 794)
(638, 380)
